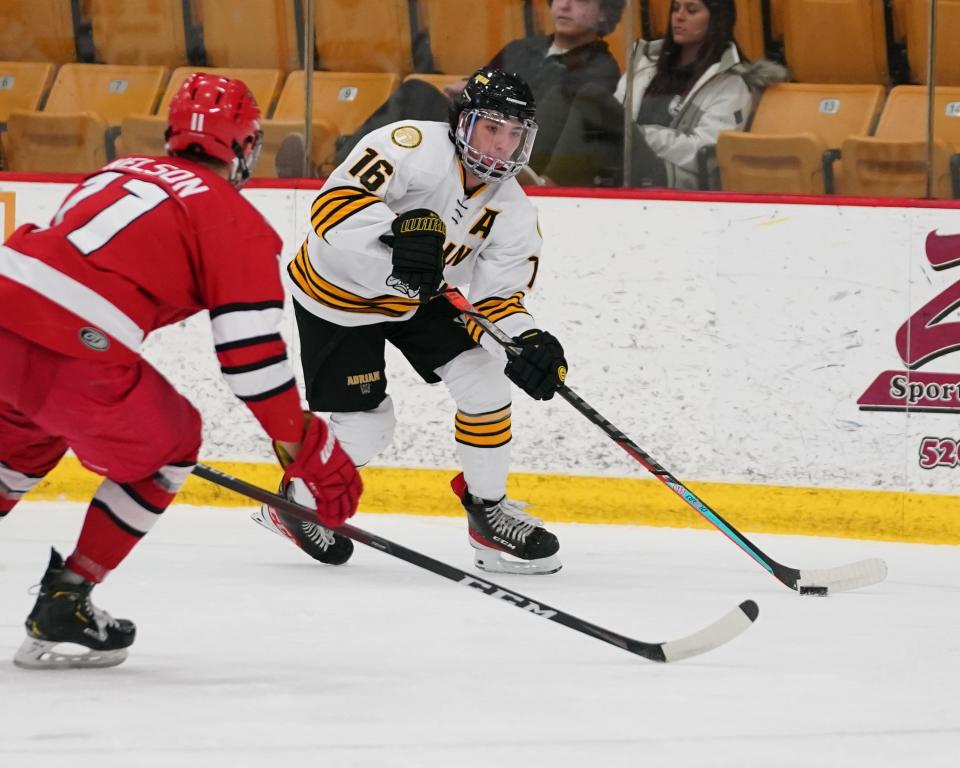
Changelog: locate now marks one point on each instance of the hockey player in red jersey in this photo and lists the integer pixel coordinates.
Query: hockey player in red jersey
(140, 244)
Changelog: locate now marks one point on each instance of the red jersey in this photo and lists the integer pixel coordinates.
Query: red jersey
(146, 242)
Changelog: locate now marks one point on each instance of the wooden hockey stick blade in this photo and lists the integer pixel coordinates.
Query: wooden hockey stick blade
(706, 639)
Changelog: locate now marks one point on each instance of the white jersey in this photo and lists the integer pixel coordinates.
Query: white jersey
(493, 240)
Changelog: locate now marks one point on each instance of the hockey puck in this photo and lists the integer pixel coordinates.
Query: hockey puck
(818, 591)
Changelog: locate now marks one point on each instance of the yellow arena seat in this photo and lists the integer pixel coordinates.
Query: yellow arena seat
(916, 29)
(836, 41)
(893, 162)
(795, 124)
(487, 25)
(341, 102)
(74, 143)
(250, 33)
(143, 134)
(437, 81)
(139, 31)
(37, 30)
(86, 105)
(776, 19)
(23, 84)
(363, 35)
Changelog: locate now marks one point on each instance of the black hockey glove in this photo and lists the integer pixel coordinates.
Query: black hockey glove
(417, 243)
(540, 368)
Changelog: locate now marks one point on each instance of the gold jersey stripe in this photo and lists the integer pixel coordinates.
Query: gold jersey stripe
(496, 308)
(474, 330)
(332, 296)
(306, 266)
(336, 205)
(328, 203)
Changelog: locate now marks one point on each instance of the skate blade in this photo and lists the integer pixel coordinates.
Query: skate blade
(262, 518)
(45, 654)
(495, 562)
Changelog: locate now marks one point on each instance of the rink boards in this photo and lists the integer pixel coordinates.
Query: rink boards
(793, 361)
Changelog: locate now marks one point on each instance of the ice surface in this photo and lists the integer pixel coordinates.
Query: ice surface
(249, 654)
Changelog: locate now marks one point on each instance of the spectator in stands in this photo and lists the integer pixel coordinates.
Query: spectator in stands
(555, 66)
(687, 88)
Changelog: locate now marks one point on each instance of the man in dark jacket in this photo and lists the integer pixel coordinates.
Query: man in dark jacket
(555, 66)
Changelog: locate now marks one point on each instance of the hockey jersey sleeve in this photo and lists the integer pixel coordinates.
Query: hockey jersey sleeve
(242, 289)
(504, 273)
(353, 209)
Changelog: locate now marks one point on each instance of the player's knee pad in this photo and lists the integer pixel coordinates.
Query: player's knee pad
(476, 381)
(363, 434)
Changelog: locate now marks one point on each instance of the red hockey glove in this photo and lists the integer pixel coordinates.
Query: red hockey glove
(327, 472)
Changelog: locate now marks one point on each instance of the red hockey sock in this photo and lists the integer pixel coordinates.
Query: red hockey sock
(118, 517)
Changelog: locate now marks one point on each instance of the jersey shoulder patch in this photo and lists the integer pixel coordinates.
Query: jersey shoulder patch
(406, 136)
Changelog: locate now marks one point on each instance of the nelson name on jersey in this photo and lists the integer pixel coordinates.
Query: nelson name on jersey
(493, 243)
(182, 181)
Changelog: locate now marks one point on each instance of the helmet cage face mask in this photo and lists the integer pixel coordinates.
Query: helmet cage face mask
(241, 168)
(486, 167)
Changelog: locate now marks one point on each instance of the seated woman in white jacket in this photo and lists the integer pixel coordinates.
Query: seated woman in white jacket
(687, 88)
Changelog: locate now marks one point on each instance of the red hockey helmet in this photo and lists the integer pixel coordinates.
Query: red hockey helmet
(217, 117)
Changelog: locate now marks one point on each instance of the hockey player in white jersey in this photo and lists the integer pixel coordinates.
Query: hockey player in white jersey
(415, 206)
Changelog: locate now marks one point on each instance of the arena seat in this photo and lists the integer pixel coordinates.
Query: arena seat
(347, 41)
(776, 19)
(74, 143)
(86, 105)
(23, 84)
(139, 32)
(899, 8)
(836, 41)
(37, 30)
(250, 33)
(437, 81)
(916, 31)
(341, 102)
(795, 124)
(143, 134)
(893, 162)
(488, 26)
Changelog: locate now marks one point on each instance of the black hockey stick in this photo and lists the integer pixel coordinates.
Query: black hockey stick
(816, 581)
(708, 638)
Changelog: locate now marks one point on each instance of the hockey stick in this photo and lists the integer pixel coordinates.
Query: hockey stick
(708, 638)
(819, 581)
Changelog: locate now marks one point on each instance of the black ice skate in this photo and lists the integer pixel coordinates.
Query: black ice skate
(504, 537)
(320, 543)
(64, 613)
